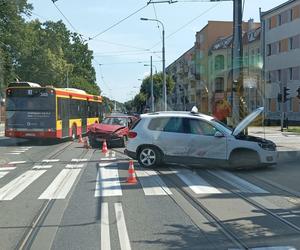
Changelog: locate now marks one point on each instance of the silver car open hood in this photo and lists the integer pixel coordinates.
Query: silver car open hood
(247, 120)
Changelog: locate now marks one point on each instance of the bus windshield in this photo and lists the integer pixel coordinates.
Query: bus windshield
(27, 100)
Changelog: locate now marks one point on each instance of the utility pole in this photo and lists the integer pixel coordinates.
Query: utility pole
(152, 94)
(237, 63)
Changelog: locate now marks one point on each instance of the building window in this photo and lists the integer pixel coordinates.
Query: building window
(219, 62)
(268, 49)
(269, 104)
(270, 23)
(279, 75)
(278, 19)
(290, 105)
(294, 73)
(219, 84)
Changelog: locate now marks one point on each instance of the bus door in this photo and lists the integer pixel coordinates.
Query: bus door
(64, 115)
(84, 116)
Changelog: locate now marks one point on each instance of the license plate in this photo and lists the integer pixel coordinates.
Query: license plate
(29, 134)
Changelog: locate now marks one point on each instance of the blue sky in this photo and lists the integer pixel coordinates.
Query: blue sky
(123, 50)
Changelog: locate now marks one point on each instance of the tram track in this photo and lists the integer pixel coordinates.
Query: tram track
(32, 230)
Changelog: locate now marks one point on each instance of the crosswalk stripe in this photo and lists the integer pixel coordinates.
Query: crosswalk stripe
(16, 186)
(197, 184)
(108, 159)
(107, 182)
(16, 162)
(152, 184)
(238, 182)
(7, 168)
(61, 185)
(122, 230)
(42, 166)
(78, 160)
(50, 160)
(105, 236)
(2, 174)
(74, 165)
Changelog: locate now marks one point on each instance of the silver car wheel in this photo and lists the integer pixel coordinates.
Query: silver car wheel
(148, 157)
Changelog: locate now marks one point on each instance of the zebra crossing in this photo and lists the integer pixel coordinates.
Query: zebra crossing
(18, 151)
(109, 183)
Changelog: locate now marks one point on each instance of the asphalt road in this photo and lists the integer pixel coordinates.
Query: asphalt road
(63, 196)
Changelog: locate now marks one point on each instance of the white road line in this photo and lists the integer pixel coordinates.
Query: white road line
(107, 159)
(107, 181)
(7, 168)
(79, 160)
(18, 151)
(74, 165)
(50, 160)
(12, 153)
(2, 174)
(238, 182)
(26, 148)
(18, 185)
(17, 162)
(61, 185)
(105, 236)
(197, 184)
(122, 230)
(152, 184)
(42, 166)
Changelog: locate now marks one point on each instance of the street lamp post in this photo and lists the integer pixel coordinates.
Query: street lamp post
(163, 60)
(151, 74)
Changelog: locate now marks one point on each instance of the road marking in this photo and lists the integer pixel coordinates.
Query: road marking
(26, 148)
(6, 168)
(18, 151)
(107, 181)
(152, 184)
(79, 160)
(61, 185)
(108, 159)
(13, 153)
(42, 166)
(105, 236)
(74, 166)
(50, 160)
(122, 230)
(17, 162)
(238, 182)
(197, 184)
(2, 174)
(18, 185)
(113, 154)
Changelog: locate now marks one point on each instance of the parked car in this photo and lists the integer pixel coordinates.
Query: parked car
(194, 138)
(113, 129)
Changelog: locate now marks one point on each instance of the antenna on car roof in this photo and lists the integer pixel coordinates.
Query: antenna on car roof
(194, 110)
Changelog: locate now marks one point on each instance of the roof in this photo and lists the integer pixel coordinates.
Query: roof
(177, 114)
(277, 7)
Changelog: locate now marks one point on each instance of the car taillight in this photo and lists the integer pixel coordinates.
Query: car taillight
(132, 134)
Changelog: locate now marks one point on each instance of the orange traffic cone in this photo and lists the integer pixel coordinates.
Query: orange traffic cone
(104, 147)
(80, 139)
(131, 173)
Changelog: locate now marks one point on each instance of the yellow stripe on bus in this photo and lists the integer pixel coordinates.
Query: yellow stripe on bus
(75, 121)
(59, 124)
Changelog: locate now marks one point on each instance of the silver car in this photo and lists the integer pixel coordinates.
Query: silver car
(196, 139)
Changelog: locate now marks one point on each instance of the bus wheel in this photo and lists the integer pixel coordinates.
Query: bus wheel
(74, 133)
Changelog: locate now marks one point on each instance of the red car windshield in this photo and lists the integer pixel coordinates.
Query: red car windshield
(115, 121)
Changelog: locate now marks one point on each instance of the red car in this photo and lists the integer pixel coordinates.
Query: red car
(113, 129)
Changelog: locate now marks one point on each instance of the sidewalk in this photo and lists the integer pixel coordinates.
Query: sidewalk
(288, 143)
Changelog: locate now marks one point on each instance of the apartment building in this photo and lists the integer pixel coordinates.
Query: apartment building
(281, 43)
(182, 72)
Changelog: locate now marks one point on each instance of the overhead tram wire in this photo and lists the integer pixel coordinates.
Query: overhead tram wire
(186, 24)
(117, 23)
(69, 22)
(158, 27)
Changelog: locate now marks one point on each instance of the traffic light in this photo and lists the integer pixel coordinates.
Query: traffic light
(285, 94)
(298, 90)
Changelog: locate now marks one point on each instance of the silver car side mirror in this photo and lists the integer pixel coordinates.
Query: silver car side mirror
(219, 134)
